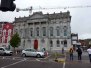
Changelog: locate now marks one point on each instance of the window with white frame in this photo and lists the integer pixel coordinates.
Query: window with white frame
(58, 30)
(44, 31)
(51, 31)
(58, 43)
(9, 32)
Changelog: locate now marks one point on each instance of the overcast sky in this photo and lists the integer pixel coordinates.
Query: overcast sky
(81, 17)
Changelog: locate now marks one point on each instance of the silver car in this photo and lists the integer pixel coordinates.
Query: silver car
(32, 52)
(4, 51)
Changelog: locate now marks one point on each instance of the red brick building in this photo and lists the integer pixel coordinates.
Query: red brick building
(6, 32)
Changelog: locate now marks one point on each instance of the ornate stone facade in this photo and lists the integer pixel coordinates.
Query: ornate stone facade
(49, 31)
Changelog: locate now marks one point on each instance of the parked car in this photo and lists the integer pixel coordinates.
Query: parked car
(32, 52)
(5, 51)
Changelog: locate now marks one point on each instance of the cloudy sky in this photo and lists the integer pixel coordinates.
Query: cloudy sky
(81, 17)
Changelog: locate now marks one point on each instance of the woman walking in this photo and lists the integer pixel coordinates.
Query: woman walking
(71, 53)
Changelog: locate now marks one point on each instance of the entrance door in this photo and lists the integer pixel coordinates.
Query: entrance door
(36, 44)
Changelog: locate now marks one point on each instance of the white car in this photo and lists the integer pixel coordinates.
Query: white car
(32, 52)
(5, 51)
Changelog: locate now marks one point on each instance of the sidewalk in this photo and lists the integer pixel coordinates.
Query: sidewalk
(57, 57)
(85, 57)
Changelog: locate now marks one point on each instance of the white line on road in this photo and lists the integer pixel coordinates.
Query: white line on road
(64, 65)
(12, 64)
(3, 57)
(37, 59)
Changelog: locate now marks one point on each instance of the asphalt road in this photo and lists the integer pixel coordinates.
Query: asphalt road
(16, 61)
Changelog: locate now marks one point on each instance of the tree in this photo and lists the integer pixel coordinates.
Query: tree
(15, 40)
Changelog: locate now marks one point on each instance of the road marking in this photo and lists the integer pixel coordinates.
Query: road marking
(25, 59)
(12, 64)
(64, 65)
(46, 57)
(13, 58)
(3, 57)
(37, 59)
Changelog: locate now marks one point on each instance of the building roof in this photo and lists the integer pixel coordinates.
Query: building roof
(46, 16)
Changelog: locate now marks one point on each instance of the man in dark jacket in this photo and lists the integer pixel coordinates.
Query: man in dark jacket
(79, 51)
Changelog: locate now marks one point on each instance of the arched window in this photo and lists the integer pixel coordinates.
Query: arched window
(51, 43)
(58, 43)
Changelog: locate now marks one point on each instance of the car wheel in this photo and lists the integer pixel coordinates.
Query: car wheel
(4, 54)
(38, 55)
(24, 55)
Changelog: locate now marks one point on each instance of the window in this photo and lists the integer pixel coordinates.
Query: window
(58, 43)
(16, 30)
(58, 31)
(28, 50)
(65, 43)
(37, 31)
(9, 32)
(65, 31)
(21, 32)
(44, 31)
(51, 31)
(31, 31)
(4, 32)
(0, 32)
(51, 43)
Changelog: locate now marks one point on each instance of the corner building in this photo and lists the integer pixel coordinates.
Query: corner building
(49, 31)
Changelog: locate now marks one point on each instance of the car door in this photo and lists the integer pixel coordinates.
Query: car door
(28, 52)
(33, 52)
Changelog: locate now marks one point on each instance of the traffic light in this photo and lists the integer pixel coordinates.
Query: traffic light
(7, 5)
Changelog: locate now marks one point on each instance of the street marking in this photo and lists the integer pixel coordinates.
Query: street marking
(12, 64)
(25, 59)
(64, 65)
(3, 57)
(37, 59)
(46, 57)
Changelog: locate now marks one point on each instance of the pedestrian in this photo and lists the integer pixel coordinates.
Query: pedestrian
(79, 51)
(71, 53)
(62, 50)
(89, 52)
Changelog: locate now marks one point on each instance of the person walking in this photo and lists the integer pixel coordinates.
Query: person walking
(89, 52)
(79, 51)
(71, 53)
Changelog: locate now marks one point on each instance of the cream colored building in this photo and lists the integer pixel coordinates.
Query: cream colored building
(49, 31)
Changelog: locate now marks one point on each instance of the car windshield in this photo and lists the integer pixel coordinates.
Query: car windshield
(7, 49)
